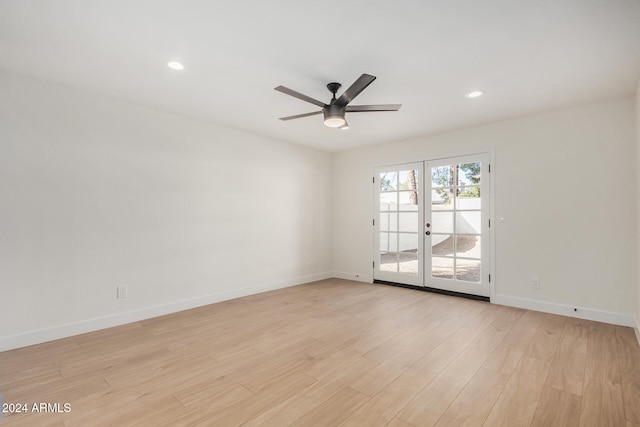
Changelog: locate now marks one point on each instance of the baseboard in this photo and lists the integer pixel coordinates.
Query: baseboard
(358, 277)
(567, 310)
(637, 329)
(90, 325)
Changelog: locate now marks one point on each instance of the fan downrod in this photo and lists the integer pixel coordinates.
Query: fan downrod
(333, 88)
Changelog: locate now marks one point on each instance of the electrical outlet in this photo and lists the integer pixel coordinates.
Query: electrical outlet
(121, 292)
(535, 283)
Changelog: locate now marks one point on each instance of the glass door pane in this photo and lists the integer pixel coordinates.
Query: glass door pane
(398, 224)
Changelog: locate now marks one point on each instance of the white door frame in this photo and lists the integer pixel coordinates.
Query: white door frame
(488, 234)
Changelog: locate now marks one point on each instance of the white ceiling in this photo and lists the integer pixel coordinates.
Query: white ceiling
(527, 56)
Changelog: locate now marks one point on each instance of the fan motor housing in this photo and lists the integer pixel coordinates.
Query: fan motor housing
(334, 115)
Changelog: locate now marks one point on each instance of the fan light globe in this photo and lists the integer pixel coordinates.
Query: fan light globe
(334, 122)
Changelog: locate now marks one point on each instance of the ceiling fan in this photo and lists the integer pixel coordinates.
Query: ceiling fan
(334, 111)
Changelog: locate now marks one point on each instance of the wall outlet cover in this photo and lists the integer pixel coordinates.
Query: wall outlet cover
(121, 292)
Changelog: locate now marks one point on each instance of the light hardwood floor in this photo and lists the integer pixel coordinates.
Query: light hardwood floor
(335, 353)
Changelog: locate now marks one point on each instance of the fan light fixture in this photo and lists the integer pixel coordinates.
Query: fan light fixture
(334, 122)
(334, 116)
(334, 113)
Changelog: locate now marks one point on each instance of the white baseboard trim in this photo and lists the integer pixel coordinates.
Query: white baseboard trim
(358, 277)
(637, 329)
(566, 310)
(90, 325)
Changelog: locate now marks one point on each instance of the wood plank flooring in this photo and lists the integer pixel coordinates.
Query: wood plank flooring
(334, 353)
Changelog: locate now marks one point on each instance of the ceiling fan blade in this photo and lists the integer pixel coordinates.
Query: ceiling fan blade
(299, 95)
(355, 89)
(298, 116)
(381, 107)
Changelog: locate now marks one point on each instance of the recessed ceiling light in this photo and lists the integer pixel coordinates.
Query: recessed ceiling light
(474, 94)
(175, 65)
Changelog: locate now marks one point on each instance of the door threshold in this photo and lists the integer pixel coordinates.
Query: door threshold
(434, 290)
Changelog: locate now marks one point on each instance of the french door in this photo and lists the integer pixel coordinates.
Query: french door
(431, 224)
(399, 224)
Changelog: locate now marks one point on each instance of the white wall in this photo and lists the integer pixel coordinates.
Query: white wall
(95, 193)
(560, 181)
